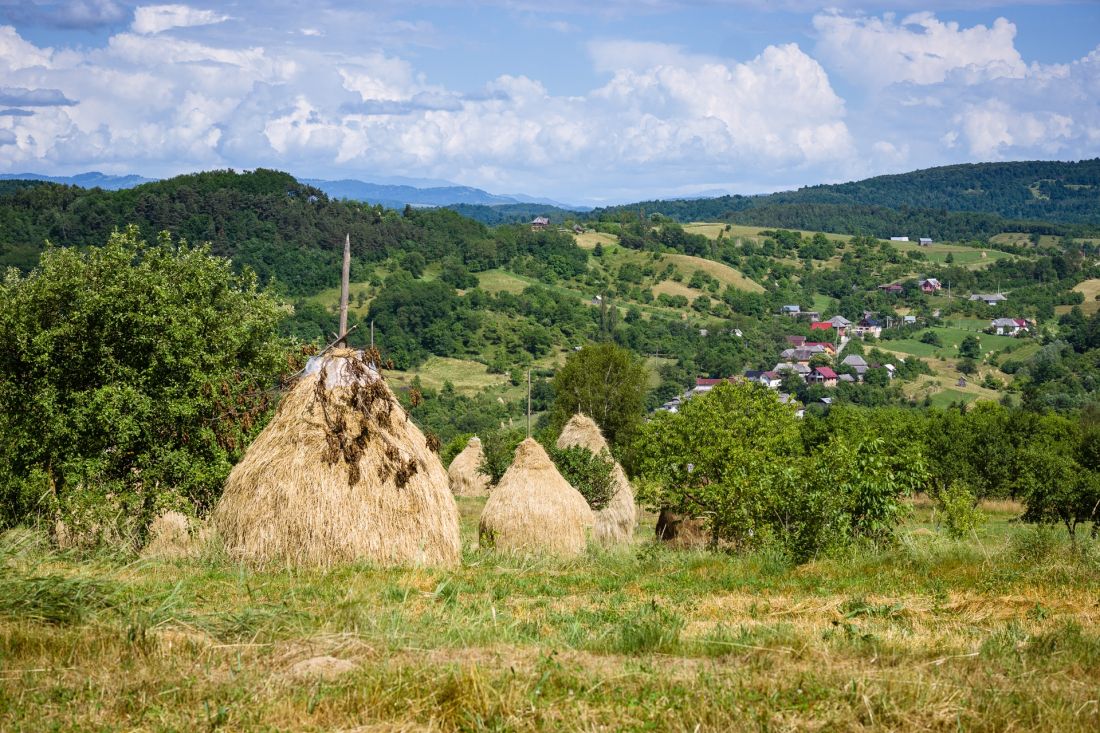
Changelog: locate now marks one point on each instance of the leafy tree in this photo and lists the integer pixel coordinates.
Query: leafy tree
(970, 348)
(931, 338)
(607, 383)
(132, 377)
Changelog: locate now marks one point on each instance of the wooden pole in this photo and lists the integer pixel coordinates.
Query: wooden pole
(528, 403)
(344, 286)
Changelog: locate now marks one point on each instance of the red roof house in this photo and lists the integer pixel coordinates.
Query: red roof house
(820, 326)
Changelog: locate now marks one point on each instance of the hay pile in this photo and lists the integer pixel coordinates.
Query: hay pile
(466, 479)
(340, 474)
(534, 510)
(615, 522)
(174, 536)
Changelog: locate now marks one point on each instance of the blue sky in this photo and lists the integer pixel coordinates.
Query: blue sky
(585, 102)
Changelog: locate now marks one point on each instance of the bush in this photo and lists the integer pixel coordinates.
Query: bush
(587, 472)
(499, 448)
(961, 514)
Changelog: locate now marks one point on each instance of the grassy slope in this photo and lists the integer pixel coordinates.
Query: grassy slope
(987, 634)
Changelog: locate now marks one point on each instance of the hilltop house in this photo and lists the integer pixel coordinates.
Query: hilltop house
(989, 298)
(1009, 326)
(930, 285)
(539, 223)
(841, 324)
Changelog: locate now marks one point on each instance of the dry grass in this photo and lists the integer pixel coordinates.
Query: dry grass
(615, 523)
(533, 509)
(1000, 632)
(339, 474)
(589, 239)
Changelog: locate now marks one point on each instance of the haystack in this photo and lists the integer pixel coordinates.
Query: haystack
(533, 509)
(339, 474)
(466, 479)
(174, 536)
(615, 522)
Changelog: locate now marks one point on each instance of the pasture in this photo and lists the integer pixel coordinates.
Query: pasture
(999, 631)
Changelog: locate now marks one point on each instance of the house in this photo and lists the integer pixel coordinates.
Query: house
(930, 285)
(791, 310)
(578, 229)
(769, 379)
(796, 341)
(891, 370)
(909, 320)
(857, 363)
(845, 378)
(1009, 326)
(705, 384)
(704, 332)
(821, 326)
(597, 300)
(539, 223)
(826, 400)
(824, 376)
(820, 346)
(899, 239)
(868, 326)
(810, 315)
(925, 241)
(989, 298)
(802, 370)
(786, 399)
(841, 324)
(891, 288)
(672, 405)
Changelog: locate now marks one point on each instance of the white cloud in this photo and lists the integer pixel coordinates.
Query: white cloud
(920, 48)
(151, 19)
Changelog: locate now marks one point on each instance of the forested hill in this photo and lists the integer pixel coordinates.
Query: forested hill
(1048, 191)
(288, 232)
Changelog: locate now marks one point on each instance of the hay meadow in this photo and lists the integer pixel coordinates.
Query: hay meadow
(996, 632)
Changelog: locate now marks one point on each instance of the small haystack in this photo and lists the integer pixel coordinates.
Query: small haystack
(534, 510)
(615, 522)
(466, 479)
(339, 474)
(174, 536)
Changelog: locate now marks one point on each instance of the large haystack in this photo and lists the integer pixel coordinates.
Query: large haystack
(340, 474)
(466, 479)
(615, 522)
(534, 510)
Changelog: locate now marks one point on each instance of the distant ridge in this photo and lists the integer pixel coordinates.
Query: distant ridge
(398, 196)
(92, 179)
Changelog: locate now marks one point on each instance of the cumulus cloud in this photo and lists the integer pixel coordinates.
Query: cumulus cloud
(920, 48)
(34, 97)
(152, 19)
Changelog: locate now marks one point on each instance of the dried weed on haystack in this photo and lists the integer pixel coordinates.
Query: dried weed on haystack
(340, 474)
(615, 522)
(533, 509)
(466, 479)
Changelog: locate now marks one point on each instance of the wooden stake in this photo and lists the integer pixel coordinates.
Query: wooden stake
(528, 403)
(344, 286)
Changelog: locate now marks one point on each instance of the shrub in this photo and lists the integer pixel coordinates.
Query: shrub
(587, 472)
(961, 514)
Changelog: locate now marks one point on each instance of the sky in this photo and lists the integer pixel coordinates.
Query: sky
(585, 102)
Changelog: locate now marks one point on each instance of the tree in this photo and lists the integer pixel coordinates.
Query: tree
(131, 379)
(970, 348)
(606, 382)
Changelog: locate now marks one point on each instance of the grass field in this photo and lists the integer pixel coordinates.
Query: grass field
(725, 274)
(466, 376)
(999, 632)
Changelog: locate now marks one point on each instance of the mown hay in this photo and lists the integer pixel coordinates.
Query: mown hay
(466, 479)
(615, 523)
(174, 536)
(533, 509)
(339, 474)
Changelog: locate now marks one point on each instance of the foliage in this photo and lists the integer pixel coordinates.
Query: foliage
(960, 511)
(498, 449)
(132, 377)
(607, 383)
(589, 473)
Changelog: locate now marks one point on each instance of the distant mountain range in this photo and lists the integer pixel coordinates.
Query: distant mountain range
(93, 179)
(396, 193)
